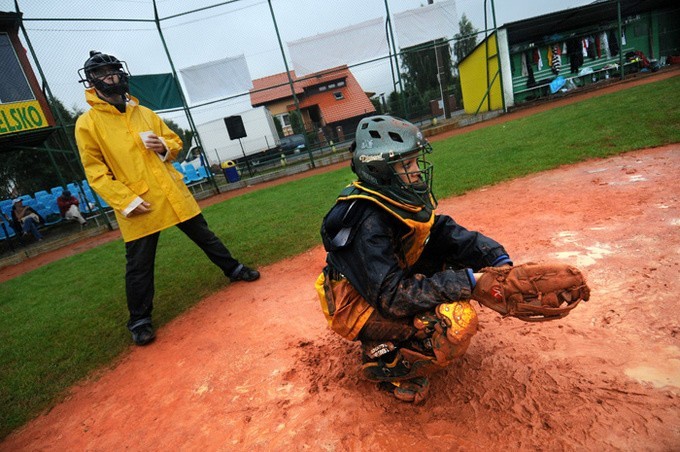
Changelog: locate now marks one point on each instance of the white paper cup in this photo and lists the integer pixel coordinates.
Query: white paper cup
(145, 135)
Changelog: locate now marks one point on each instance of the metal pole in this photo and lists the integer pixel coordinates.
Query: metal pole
(57, 113)
(486, 60)
(498, 56)
(618, 14)
(396, 58)
(187, 111)
(440, 72)
(290, 79)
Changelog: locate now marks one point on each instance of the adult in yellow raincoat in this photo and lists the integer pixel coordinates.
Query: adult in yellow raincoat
(127, 150)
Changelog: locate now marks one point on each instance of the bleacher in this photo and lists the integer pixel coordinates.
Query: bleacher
(591, 71)
(92, 206)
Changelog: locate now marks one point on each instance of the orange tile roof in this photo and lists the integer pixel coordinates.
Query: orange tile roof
(273, 87)
(354, 103)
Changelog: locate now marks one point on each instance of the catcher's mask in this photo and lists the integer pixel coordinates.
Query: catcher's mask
(98, 68)
(390, 156)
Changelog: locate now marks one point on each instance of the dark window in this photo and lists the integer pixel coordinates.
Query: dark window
(14, 86)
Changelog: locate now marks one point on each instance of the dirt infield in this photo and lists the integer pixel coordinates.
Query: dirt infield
(253, 367)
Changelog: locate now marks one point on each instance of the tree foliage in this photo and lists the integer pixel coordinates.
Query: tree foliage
(465, 39)
(420, 68)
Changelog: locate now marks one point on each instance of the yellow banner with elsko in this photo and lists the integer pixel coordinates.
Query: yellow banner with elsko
(21, 117)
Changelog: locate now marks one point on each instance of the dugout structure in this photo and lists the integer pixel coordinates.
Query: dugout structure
(25, 116)
(542, 56)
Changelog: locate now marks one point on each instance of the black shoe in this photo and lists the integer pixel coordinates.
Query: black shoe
(246, 274)
(143, 334)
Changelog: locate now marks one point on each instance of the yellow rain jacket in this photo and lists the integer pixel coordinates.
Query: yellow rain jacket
(120, 168)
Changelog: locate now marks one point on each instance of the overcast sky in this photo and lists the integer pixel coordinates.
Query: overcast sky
(243, 27)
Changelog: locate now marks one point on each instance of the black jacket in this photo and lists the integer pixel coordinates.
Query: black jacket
(16, 221)
(369, 257)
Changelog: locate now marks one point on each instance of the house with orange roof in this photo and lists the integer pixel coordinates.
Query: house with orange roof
(331, 101)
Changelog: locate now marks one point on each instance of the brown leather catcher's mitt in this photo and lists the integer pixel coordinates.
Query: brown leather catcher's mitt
(531, 292)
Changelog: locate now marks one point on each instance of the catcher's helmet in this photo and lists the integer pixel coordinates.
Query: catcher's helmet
(383, 145)
(98, 66)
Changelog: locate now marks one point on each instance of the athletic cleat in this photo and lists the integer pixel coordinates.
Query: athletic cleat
(143, 334)
(414, 391)
(246, 274)
(388, 368)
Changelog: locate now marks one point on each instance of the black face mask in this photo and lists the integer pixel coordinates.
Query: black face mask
(121, 88)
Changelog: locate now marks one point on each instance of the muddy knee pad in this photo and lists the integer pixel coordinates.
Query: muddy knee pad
(448, 330)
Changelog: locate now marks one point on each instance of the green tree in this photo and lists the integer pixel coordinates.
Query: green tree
(465, 42)
(185, 135)
(26, 169)
(465, 39)
(421, 66)
(279, 127)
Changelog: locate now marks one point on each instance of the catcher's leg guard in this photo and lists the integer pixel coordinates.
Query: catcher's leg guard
(445, 334)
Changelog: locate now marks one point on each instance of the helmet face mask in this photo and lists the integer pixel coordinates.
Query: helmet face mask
(391, 157)
(100, 67)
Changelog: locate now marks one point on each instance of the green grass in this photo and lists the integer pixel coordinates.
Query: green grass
(66, 319)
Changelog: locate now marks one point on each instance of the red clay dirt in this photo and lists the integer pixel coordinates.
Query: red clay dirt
(253, 367)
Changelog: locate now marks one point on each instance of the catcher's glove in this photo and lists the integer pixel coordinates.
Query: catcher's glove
(531, 292)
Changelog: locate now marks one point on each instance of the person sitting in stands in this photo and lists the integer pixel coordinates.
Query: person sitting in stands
(26, 219)
(68, 207)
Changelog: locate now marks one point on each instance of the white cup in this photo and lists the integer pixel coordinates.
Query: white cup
(145, 135)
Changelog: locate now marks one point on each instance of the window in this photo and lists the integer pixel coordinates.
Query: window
(14, 86)
(284, 118)
(338, 95)
(322, 88)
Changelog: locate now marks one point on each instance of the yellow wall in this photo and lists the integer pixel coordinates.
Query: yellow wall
(473, 78)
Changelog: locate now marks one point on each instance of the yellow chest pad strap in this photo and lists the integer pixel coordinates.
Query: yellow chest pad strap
(418, 220)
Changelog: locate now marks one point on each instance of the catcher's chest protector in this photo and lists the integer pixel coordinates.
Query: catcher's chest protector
(417, 219)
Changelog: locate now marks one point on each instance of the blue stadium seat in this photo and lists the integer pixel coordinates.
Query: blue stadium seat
(6, 204)
(57, 191)
(6, 230)
(191, 173)
(29, 201)
(49, 201)
(49, 216)
(202, 172)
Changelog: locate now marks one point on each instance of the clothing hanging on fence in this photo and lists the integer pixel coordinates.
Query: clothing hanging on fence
(538, 60)
(598, 49)
(523, 60)
(613, 43)
(531, 81)
(605, 44)
(591, 47)
(584, 47)
(575, 54)
(554, 58)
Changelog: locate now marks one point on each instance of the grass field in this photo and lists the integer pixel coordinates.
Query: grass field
(63, 321)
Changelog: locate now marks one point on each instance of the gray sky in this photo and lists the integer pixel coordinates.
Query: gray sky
(244, 27)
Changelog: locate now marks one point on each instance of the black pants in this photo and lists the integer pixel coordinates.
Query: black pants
(141, 256)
